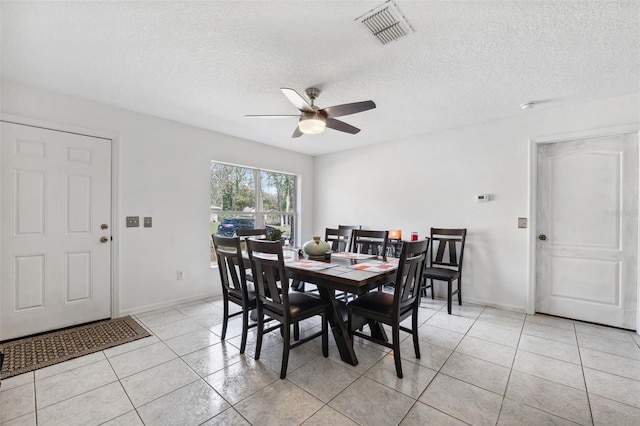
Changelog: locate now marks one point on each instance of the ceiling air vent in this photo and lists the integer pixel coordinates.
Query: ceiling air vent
(386, 22)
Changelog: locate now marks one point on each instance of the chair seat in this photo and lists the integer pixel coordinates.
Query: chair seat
(300, 304)
(441, 274)
(376, 301)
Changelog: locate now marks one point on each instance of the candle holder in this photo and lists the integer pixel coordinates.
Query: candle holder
(394, 245)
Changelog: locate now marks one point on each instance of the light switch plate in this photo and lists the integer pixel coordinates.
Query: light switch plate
(147, 222)
(522, 222)
(133, 221)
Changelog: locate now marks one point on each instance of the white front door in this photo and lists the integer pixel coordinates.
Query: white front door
(587, 229)
(55, 230)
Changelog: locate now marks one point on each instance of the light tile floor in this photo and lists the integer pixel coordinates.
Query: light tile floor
(479, 366)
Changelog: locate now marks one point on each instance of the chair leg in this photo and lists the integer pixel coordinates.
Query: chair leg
(416, 343)
(459, 291)
(296, 331)
(396, 349)
(325, 336)
(433, 293)
(225, 319)
(245, 329)
(285, 349)
(260, 332)
(449, 285)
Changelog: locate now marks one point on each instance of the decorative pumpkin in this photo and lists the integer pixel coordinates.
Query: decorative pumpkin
(316, 247)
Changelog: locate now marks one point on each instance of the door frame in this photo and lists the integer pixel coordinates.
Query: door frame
(534, 143)
(115, 228)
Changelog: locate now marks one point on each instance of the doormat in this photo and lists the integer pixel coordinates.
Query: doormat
(43, 350)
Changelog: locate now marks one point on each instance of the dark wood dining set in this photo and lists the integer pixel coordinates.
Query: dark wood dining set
(356, 288)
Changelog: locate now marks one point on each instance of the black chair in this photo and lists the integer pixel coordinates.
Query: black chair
(339, 239)
(391, 309)
(445, 264)
(260, 233)
(275, 300)
(234, 283)
(370, 242)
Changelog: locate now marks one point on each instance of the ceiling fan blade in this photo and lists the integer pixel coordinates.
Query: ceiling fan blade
(271, 116)
(297, 133)
(341, 126)
(346, 109)
(297, 100)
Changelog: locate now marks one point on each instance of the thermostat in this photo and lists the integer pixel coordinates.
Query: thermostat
(483, 197)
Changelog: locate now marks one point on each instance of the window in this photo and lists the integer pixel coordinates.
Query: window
(246, 198)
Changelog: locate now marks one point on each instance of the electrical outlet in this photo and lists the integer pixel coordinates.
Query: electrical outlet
(133, 221)
(147, 222)
(180, 275)
(522, 222)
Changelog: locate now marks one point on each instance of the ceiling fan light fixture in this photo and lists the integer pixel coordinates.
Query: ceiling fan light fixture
(312, 125)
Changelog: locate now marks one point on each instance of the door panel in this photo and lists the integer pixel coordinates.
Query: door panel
(56, 190)
(588, 215)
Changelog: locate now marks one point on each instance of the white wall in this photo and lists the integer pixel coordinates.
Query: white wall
(411, 184)
(432, 180)
(163, 172)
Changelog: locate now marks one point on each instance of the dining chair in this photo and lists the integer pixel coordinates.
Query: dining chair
(445, 262)
(370, 242)
(391, 309)
(234, 283)
(260, 233)
(352, 227)
(339, 239)
(275, 301)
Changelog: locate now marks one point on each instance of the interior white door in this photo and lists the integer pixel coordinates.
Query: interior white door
(587, 226)
(55, 230)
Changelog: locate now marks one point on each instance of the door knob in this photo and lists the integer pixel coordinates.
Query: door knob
(104, 239)
(542, 237)
(104, 226)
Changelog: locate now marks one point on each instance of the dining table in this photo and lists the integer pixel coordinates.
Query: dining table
(346, 272)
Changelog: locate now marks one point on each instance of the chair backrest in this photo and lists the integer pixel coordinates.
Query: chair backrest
(349, 227)
(260, 232)
(409, 275)
(370, 242)
(230, 264)
(267, 266)
(447, 247)
(339, 239)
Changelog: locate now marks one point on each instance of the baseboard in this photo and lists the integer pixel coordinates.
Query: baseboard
(505, 307)
(168, 303)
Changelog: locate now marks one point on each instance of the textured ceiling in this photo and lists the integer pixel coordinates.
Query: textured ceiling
(209, 63)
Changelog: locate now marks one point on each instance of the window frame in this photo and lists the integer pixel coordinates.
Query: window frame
(257, 216)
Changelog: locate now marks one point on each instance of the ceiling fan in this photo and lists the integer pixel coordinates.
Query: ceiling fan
(313, 120)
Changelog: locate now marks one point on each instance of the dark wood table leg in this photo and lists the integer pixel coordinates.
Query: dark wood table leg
(377, 331)
(339, 327)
